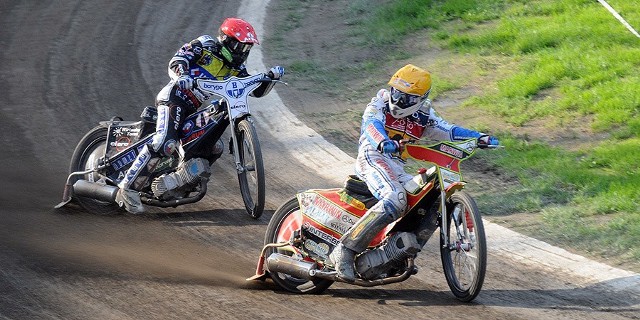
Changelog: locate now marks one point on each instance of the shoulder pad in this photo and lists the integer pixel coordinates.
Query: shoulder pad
(206, 40)
(426, 106)
(383, 94)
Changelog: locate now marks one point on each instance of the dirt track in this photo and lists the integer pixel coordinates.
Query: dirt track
(68, 64)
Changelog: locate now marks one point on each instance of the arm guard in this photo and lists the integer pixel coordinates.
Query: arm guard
(189, 52)
(373, 122)
(439, 129)
(460, 133)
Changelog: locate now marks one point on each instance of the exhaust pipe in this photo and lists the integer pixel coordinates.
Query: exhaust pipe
(102, 192)
(277, 262)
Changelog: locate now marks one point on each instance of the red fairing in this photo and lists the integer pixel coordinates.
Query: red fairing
(333, 212)
(439, 158)
(290, 224)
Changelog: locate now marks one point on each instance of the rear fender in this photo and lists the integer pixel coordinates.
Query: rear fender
(261, 272)
(291, 224)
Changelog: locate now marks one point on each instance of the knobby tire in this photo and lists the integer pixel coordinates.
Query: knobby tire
(464, 270)
(252, 181)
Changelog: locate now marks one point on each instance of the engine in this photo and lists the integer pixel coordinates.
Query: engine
(187, 173)
(378, 262)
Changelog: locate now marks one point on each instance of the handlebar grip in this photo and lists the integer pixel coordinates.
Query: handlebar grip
(489, 146)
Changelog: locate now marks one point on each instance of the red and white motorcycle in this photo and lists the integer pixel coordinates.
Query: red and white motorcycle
(305, 229)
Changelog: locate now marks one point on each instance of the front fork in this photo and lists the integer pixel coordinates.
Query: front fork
(234, 144)
(444, 224)
(460, 243)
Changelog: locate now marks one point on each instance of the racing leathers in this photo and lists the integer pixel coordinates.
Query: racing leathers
(378, 164)
(200, 58)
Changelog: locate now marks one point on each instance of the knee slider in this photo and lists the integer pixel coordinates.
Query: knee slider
(169, 148)
(163, 147)
(395, 204)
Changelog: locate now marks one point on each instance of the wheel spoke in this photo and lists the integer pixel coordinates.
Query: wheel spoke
(464, 248)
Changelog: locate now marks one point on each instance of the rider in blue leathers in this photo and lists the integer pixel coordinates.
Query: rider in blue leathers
(204, 57)
(393, 116)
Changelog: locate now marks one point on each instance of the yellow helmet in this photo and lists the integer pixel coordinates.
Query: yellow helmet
(410, 87)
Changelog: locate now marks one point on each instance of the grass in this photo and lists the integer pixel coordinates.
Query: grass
(567, 60)
(586, 197)
(569, 65)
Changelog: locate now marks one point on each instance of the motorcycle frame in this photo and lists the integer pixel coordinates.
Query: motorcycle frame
(445, 157)
(232, 92)
(235, 92)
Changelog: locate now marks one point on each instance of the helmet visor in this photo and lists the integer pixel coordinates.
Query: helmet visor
(404, 100)
(236, 46)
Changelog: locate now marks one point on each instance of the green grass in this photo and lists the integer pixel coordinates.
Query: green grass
(559, 62)
(403, 17)
(572, 60)
(593, 69)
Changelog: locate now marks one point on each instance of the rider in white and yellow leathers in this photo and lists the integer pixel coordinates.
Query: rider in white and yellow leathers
(393, 116)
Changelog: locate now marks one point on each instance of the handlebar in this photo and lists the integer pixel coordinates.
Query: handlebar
(268, 79)
(489, 146)
(479, 144)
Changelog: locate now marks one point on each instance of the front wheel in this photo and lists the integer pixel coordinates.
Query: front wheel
(85, 157)
(251, 175)
(463, 247)
(284, 223)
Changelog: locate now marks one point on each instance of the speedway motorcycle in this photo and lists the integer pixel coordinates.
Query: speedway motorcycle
(303, 231)
(104, 154)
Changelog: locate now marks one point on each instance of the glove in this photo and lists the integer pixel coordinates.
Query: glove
(185, 82)
(389, 146)
(276, 72)
(383, 94)
(488, 140)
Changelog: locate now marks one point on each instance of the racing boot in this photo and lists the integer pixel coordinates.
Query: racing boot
(343, 260)
(357, 239)
(127, 196)
(130, 199)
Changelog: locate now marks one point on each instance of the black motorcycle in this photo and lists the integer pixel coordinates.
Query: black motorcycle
(104, 154)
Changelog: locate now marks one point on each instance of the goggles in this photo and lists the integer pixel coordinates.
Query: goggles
(404, 100)
(236, 46)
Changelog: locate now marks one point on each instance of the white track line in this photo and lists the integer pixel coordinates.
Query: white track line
(334, 164)
(619, 17)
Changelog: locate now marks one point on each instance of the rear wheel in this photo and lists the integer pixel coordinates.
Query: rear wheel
(251, 177)
(284, 222)
(464, 249)
(86, 155)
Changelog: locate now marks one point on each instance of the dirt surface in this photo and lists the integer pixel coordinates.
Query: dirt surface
(68, 64)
